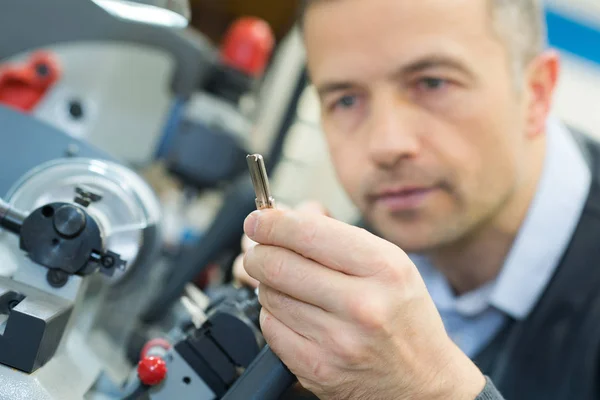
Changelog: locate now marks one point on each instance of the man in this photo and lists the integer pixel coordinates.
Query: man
(436, 114)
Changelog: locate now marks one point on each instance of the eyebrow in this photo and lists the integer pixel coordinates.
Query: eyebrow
(433, 61)
(332, 87)
(422, 64)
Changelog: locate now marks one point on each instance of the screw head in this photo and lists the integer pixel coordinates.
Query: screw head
(108, 261)
(57, 278)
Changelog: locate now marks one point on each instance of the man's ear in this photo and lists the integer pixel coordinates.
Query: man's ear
(542, 78)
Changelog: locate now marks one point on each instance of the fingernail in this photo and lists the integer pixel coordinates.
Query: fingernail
(250, 224)
(263, 316)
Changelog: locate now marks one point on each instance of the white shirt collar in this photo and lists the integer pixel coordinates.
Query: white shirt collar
(542, 240)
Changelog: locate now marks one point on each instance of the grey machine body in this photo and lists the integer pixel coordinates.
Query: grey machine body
(49, 316)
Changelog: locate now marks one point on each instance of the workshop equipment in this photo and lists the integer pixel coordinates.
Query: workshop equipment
(208, 147)
(73, 202)
(173, 13)
(23, 86)
(108, 63)
(78, 210)
(72, 21)
(68, 242)
(222, 358)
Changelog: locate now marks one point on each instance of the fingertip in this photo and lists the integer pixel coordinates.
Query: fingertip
(247, 243)
(251, 223)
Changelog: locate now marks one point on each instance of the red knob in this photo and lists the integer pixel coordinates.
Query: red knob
(152, 370)
(248, 45)
(23, 86)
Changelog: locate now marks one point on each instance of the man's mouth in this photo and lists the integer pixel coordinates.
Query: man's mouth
(403, 199)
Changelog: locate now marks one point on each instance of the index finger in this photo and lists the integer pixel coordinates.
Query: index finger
(334, 244)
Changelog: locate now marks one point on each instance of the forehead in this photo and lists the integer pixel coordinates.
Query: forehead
(367, 37)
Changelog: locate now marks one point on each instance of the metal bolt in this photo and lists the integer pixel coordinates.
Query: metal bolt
(57, 278)
(108, 261)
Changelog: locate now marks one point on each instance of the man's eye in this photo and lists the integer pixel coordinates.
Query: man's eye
(346, 102)
(432, 83)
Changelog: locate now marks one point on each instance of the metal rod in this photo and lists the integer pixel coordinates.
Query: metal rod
(10, 218)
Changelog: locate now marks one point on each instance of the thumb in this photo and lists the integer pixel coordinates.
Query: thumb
(313, 207)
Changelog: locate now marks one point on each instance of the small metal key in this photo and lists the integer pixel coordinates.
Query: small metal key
(260, 181)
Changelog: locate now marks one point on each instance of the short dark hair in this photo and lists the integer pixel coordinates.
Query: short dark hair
(304, 4)
(519, 23)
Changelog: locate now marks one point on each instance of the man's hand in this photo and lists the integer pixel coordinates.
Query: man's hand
(349, 314)
(239, 273)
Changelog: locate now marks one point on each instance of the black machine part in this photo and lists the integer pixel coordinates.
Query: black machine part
(205, 157)
(226, 344)
(267, 378)
(64, 237)
(229, 83)
(36, 323)
(61, 237)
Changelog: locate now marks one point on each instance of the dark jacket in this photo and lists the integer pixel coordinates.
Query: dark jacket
(554, 354)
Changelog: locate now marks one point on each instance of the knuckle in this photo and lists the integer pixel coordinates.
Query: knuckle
(369, 312)
(348, 350)
(399, 275)
(322, 371)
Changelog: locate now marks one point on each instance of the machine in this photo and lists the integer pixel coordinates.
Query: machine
(75, 233)
(69, 211)
(222, 357)
(80, 265)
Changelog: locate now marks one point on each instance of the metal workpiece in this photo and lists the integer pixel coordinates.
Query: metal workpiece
(32, 324)
(260, 181)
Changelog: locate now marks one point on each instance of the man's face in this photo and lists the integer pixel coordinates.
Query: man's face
(424, 122)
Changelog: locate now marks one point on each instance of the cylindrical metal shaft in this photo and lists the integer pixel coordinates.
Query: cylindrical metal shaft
(10, 218)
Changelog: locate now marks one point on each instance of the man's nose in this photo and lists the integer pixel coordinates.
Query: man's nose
(392, 133)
